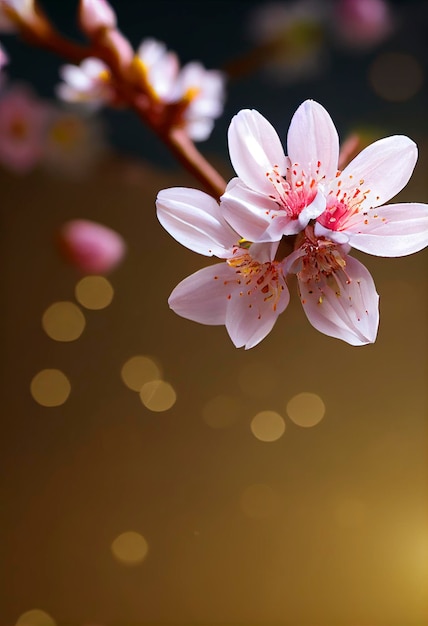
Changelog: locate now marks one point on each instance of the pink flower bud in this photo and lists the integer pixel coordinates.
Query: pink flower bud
(363, 23)
(95, 15)
(116, 44)
(4, 59)
(91, 247)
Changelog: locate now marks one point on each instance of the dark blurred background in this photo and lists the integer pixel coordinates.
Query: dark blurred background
(287, 484)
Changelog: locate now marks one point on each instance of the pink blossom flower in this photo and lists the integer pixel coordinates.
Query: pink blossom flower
(246, 292)
(199, 93)
(303, 198)
(87, 84)
(96, 15)
(158, 66)
(74, 143)
(362, 24)
(337, 292)
(289, 39)
(91, 247)
(203, 91)
(275, 194)
(23, 119)
(356, 212)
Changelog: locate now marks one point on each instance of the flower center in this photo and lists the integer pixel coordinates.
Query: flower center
(294, 192)
(320, 258)
(19, 129)
(343, 207)
(254, 277)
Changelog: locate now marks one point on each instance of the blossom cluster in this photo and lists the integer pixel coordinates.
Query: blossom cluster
(303, 201)
(150, 78)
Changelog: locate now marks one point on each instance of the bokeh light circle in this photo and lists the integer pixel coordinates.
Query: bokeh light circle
(63, 321)
(94, 292)
(306, 409)
(138, 370)
(35, 617)
(268, 426)
(130, 548)
(396, 76)
(50, 387)
(158, 395)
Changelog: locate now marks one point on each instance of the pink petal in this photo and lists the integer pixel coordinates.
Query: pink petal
(203, 296)
(91, 247)
(246, 210)
(95, 15)
(312, 141)
(255, 149)
(344, 305)
(380, 171)
(194, 219)
(250, 318)
(392, 230)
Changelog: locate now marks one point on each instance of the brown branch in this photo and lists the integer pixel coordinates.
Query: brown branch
(186, 153)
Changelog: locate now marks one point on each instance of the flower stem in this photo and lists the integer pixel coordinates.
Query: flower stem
(187, 154)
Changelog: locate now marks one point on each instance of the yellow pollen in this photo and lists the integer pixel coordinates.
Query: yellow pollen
(191, 94)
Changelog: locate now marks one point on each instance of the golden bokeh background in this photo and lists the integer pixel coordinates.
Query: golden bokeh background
(151, 473)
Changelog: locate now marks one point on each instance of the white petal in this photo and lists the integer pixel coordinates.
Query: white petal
(250, 318)
(247, 210)
(334, 235)
(74, 77)
(93, 67)
(150, 51)
(255, 149)
(392, 230)
(194, 219)
(199, 130)
(345, 305)
(380, 171)
(263, 252)
(313, 142)
(203, 296)
(312, 211)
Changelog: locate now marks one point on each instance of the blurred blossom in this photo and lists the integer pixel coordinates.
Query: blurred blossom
(158, 68)
(198, 93)
(23, 121)
(73, 143)
(4, 59)
(12, 12)
(87, 84)
(91, 247)
(95, 15)
(362, 24)
(118, 45)
(203, 90)
(289, 39)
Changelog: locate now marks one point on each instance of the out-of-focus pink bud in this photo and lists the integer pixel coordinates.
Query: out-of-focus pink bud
(117, 45)
(363, 23)
(96, 15)
(4, 59)
(91, 247)
(17, 15)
